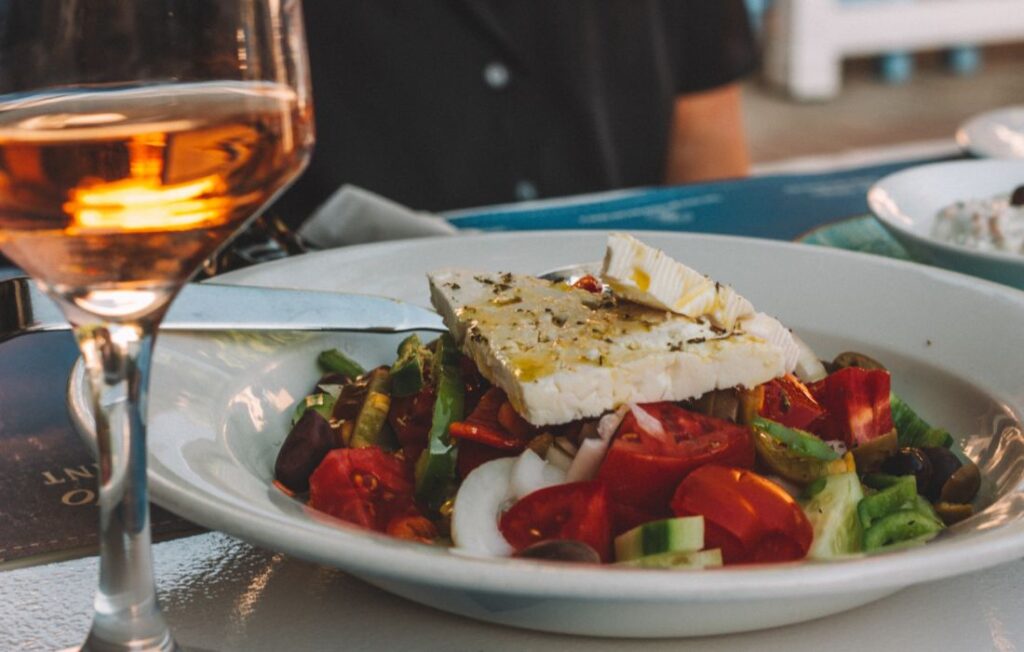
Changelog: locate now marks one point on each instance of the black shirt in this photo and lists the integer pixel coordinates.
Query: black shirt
(442, 104)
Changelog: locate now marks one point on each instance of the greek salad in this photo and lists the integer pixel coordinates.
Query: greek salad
(646, 417)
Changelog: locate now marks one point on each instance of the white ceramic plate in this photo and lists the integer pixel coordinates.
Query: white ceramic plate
(994, 134)
(220, 406)
(908, 201)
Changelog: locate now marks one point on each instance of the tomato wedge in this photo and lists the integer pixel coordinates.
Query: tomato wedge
(644, 466)
(577, 510)
(789, 402)
(365, 486)
(589, 283)
(857, 404)
(749, 517)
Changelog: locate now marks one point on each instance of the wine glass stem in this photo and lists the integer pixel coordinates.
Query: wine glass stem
(127, 615)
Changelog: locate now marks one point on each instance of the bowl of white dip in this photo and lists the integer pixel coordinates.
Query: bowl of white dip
(960, 215)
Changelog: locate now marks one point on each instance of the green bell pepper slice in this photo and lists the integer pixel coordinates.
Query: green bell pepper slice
(797, 441)
(435, 469)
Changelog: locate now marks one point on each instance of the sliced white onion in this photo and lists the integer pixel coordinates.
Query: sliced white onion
(531, 473)
(588, 460)
(808, 367)
(610, 422)
(478, 504)
(647, 423)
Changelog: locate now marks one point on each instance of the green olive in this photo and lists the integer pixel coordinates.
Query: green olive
(951, 513)
(795, 468)
(870, 455)
(963, 485)
(854, 359)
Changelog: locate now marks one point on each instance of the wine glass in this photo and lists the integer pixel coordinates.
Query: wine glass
(136, 136)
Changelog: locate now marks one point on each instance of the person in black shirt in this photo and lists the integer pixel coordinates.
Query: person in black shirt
(445, 104)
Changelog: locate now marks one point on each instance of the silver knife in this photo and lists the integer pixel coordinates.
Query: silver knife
(214, 307)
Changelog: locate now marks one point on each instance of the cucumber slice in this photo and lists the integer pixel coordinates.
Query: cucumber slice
(685, 534)
(678, 560)
(833, 515)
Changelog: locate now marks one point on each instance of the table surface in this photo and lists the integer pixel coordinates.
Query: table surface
(220, 593)
(223, 594)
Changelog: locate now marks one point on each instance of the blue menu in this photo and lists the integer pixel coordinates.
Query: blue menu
(778, 206)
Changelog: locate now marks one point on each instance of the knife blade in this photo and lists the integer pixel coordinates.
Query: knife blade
(216, 307)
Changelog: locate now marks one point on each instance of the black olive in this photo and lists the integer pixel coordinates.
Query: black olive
(944, 465)
(1017, 197)
(302, 451)
(854, 359)
(910, 461)
(568, 550)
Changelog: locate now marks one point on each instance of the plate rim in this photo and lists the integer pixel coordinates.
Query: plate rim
(407, 562)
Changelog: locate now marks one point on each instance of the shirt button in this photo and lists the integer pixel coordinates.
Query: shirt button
(525, 190)
(496, 75)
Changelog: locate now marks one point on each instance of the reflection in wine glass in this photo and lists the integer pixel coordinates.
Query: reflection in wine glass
(136, 136)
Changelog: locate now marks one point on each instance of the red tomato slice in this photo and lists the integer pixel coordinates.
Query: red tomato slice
(789, 402)
(365, 486)
(857, 405)
(749, 517)
(642, 469)
(578, 510)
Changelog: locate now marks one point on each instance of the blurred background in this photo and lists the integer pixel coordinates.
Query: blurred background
(841, 74)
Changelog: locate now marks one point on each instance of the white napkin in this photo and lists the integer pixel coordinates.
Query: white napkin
(353, 215)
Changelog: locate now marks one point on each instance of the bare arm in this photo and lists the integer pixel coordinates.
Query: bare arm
(706, 139)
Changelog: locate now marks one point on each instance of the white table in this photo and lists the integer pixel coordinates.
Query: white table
(222, 594)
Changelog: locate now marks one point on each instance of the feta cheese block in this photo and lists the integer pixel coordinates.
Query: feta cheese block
(646, 275)
(562, 353)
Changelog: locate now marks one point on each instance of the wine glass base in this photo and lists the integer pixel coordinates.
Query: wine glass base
(177, 648)
(163, 643)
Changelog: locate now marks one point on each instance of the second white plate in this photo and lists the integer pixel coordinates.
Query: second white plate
(994, 134)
